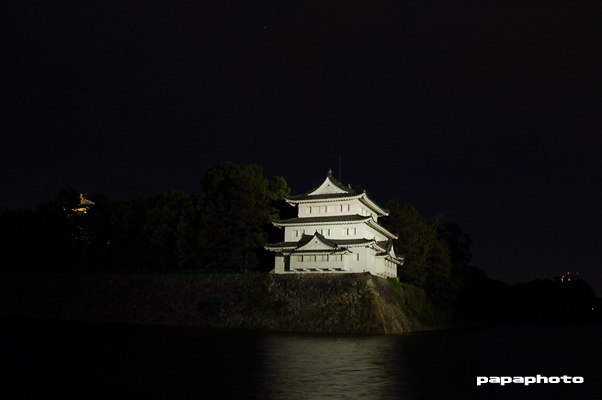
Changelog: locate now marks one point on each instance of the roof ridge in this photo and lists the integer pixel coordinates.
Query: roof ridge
(339, 184)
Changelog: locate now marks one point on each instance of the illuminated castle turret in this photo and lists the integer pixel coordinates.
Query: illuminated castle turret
(336, 231)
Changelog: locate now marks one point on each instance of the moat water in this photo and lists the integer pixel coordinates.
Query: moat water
(83, 360)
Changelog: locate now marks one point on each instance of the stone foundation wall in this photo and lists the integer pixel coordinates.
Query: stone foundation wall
(335, 303)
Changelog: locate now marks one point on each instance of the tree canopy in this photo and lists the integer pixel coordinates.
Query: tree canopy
(237, 207)
(417, 241)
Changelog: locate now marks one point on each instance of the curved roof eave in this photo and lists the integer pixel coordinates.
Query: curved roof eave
(339, 250)
(396, 260)
(379, 210)
(372, 223)
(322, 198)
(332, 220)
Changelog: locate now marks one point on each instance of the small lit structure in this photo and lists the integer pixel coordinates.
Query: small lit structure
(83, 205)
(336, 231)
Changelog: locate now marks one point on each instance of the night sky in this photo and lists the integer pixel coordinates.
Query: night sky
(486, 112)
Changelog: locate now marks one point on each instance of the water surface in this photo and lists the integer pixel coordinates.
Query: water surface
(90, 359)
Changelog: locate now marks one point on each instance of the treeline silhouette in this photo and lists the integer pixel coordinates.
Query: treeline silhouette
(554, 301)
(223, 228)
(226, 226)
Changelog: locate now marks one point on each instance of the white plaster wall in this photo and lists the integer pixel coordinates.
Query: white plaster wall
(279, 264)
(318, 264)
(384, 270)
(289, 233)
(365, 232)
(325, 209)
(355, 264)
(362, 231)
(379, 266)
(350, 207)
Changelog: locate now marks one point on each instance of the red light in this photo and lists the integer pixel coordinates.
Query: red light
(568, 273)
(562, 276)
(265, 27)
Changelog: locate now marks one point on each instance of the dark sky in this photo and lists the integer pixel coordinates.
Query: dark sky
(486, 112)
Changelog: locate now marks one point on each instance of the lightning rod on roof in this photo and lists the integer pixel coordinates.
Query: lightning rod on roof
(339, 168)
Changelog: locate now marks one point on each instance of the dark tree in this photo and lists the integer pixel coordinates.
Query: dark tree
(161, 229)
(458, 242)
(416, 242)
(236, 208)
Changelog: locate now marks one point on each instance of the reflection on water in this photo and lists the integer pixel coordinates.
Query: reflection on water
(352, 367)
(122, 361)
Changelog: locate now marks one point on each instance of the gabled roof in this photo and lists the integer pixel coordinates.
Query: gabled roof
(318, 244)
(333, 190)
(330, 188)
(336, 243)
(315, 243)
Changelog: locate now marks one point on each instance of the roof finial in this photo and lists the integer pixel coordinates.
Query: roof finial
(329, 172)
